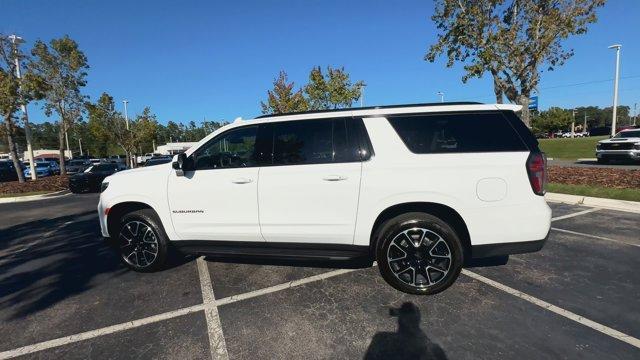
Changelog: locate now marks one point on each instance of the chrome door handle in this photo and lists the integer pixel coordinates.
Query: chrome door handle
(241, 181)
(334, 178)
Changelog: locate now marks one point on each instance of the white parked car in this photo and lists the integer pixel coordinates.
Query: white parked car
(419, 188)
(625, 145)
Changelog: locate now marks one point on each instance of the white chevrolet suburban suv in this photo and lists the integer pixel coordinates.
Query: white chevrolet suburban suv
(418, 188)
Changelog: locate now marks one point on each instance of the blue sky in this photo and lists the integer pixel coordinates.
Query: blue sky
(191, 60)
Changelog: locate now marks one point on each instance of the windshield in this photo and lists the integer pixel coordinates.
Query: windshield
(628, 134)
(76, 162)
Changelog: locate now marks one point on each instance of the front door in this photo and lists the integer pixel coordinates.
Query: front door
(218, 199)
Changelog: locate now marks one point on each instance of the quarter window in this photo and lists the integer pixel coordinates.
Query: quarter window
(454, 133)
(232, 149)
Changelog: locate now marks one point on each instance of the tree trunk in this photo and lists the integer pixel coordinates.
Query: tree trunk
(523, 100)
(63, 167)
(13, 149)
(497, 88)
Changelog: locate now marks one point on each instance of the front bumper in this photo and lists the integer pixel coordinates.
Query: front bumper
(618, 154)
(103, 218)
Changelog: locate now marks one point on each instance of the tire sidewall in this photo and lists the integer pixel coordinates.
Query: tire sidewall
(406, 221)
(150, 219)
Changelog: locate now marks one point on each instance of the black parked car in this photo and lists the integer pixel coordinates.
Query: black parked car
(90, 179)
(7, 171)
(157, 160)
(78, 166)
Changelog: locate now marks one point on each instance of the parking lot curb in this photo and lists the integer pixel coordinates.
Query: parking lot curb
(613, 204)
(35, 197)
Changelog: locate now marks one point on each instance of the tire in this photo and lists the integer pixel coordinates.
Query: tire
(438, 255)
(141, 242)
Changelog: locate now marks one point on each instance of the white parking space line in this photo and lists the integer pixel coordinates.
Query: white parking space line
(284, 286)
(217, 345)
(562, 312)
(594, 236)
(99, 332)
(575, 214)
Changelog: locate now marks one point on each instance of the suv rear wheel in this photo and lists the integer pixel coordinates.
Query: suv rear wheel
(141, 242)
(419, 253)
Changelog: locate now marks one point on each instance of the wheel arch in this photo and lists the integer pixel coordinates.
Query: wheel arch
(118, 210)
(444, 212)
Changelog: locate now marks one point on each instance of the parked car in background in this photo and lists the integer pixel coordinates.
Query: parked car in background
(625, 145)
(43, 168)
(95, 161)
(143, 158)
(77, 166)
(157, 160)
(117, 159)
(90, 179)
(7, 171)
(600, 131)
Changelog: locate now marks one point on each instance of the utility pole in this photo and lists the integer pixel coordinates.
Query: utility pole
(615, 89)
(362, 95)
(66, 139)
(584, 128)
(126, 119)
(16, 40)
(153, 142)
(80, 145)
(573, 124)
(441, 94)
(635, 110)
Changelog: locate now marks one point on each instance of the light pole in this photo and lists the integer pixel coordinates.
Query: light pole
(441, 94)
(362, 95)
(16, 40)
(126, 117)
(80, 145)
(615, 88)
(573, 124)
(635, 110)
(584, 128)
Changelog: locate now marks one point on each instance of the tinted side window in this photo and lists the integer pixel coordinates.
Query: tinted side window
(313, 142)
(451, 133)
(232, 149)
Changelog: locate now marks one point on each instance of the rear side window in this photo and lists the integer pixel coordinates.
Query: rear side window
(310, 142)
(456, 133)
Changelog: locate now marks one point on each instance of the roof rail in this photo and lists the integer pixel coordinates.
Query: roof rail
(371, 108)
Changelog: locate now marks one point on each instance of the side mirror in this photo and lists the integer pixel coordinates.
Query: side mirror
(182, 164)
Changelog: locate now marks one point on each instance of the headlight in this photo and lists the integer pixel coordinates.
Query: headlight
(598, 146)
(104, 186)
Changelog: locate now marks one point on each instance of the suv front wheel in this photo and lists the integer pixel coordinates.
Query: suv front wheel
(418, 253)
(142, 244)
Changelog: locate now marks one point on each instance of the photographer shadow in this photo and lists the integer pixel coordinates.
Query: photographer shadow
(409, 342)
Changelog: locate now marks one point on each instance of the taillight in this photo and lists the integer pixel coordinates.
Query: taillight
(537, 171)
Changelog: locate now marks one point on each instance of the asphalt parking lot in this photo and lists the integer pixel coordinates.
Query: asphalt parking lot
(63, 294)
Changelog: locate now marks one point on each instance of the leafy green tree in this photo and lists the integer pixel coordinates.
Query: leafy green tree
(553, 119)
(63, 67)
(101, 115)
(510, 39)
(282, 98)
(331, 91)
(15, 92)
(144, 129)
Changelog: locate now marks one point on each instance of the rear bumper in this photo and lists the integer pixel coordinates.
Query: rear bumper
(492, 250)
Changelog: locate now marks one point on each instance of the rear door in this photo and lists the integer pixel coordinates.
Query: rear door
(308, 191)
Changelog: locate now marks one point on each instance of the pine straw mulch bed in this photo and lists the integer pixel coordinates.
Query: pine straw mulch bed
(50, 183)
(604, 177)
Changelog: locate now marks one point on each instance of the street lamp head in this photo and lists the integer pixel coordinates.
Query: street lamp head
(615, 46)
(16, 39)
